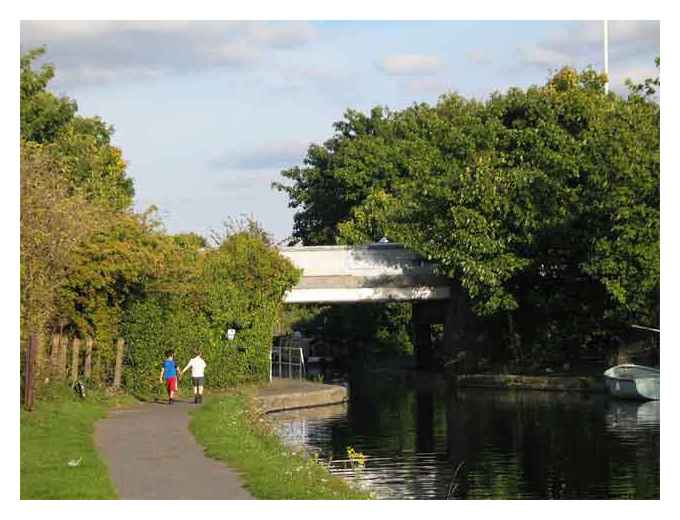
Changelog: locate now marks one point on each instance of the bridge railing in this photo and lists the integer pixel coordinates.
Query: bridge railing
(288, 362)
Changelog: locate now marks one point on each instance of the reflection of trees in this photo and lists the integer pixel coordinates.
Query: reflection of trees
(627, 423)
(382, 414)
(401, 419)
(425, 421)
(513, 444)
(546, 445)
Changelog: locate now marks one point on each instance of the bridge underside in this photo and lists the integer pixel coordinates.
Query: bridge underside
(385, 273)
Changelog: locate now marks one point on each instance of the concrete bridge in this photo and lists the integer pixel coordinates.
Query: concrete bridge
(384, 273)
(373, 273)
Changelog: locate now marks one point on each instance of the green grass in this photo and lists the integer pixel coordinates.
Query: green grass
(230, 430)
(58, 430)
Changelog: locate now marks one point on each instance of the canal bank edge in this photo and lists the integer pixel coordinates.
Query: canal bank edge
(233, 430)
(588, 384)
(286, 394)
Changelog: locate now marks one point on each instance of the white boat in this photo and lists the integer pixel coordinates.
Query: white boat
(630, 381)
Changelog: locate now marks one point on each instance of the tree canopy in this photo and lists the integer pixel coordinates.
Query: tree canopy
(91, 164)
(539, 202)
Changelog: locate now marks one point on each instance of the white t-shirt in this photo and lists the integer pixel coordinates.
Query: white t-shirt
(197, 367)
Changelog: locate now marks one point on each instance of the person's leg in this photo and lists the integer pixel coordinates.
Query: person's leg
(173, 388)
(200, 392)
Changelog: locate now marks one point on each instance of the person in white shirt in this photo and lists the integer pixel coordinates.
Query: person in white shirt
(197, 365)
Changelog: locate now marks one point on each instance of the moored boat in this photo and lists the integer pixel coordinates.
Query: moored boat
(630, 381)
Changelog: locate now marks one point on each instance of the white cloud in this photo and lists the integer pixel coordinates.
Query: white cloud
(98, 51)
(232, 54)
(268, 156)
(304, 74)
(244, 182)
(410, 65)
(544, 58)
(291, 34)
(581, 44)
(427, 86)
(479, 57)
(636, 33)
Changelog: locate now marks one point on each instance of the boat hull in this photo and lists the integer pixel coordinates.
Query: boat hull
(648, 387)
(633, 382)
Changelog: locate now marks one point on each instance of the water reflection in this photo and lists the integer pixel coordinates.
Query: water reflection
(627, 418)
(416, 433)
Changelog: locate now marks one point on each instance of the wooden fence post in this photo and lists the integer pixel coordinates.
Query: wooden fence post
(54, 356)
(41, 371)
(97, 373)
(87, 365)
(29, 375)
(120, 344)
(63, 357)
(75, 359)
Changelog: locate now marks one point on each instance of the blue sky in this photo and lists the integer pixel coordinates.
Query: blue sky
(208, 113)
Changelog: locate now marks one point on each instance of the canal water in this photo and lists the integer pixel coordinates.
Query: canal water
(424, 440)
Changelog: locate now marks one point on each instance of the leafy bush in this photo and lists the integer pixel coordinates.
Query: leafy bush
(239, 285)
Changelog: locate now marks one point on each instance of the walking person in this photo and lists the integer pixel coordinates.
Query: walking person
(169, 374)
(197, 365)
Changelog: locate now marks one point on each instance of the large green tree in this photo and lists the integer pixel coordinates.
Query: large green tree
(54, 223)
(85, 255)
(74, 183)
(543, 203)
(91, 164)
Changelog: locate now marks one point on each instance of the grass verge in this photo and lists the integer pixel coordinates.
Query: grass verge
(60, 429)
(232, 431)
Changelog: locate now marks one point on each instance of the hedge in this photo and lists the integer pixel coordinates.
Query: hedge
(238, 285)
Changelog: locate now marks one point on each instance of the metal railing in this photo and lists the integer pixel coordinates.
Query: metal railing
(286, 362)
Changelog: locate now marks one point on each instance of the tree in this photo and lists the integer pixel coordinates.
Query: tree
(338, 175)
(90, 163)
(540, 202)
(53, 223)
(75, 200)
(126, 257)
(42, 114)
(94, 167)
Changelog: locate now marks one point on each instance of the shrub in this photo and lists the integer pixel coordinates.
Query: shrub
(240, 285)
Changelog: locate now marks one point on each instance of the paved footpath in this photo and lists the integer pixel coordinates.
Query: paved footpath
(151, 454)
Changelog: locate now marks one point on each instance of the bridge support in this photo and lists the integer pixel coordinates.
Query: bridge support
(463, 332)
(423, 346)
(424, 315)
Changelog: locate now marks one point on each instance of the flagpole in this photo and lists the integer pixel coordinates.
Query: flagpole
(606, 59)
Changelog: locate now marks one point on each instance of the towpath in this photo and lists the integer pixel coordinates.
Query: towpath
(151, 454)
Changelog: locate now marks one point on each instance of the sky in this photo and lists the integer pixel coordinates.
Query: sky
(207, 114)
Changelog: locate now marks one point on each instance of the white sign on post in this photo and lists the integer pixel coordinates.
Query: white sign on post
(231, 334)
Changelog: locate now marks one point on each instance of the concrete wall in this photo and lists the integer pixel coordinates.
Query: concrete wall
(372, 260)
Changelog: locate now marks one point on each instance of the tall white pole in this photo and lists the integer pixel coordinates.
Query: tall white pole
(606, 59)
